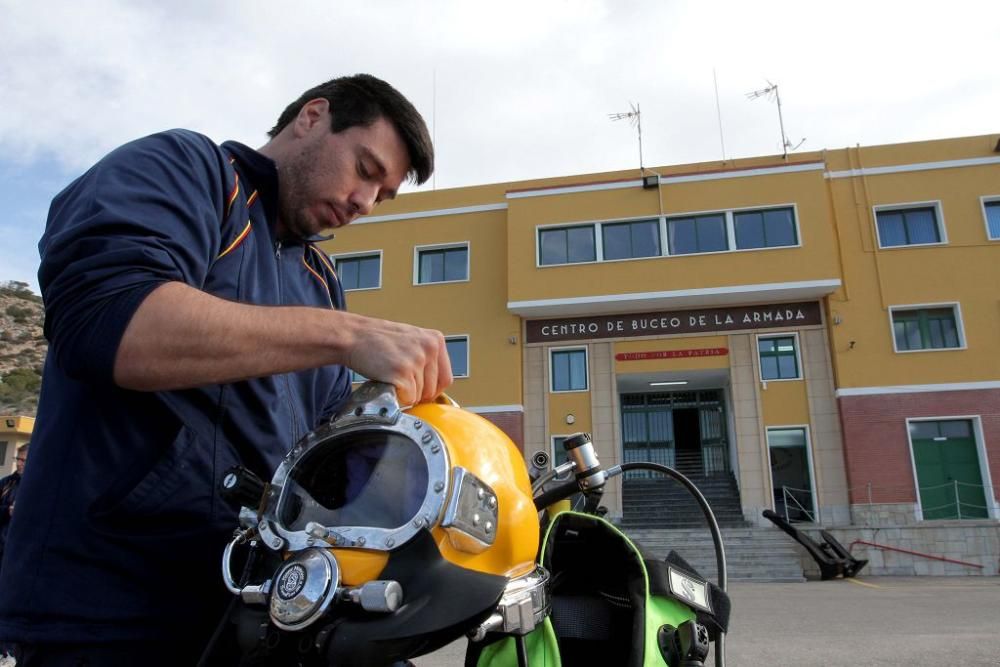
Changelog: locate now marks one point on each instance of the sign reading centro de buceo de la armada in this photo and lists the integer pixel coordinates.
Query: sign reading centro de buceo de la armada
(703, 320)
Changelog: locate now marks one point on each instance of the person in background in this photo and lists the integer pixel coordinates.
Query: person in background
(8, 493)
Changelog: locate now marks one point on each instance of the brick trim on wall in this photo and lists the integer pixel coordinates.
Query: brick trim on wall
(876, 446)
(511, 423)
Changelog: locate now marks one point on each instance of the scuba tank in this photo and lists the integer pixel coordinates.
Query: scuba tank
(388, 533)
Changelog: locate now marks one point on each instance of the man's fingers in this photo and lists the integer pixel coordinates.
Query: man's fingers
(413, 359)
(444, 372)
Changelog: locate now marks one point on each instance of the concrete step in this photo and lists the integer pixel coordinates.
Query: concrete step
(752, 554)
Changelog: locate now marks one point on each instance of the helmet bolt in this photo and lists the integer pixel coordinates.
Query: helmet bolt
(418, 424)
(492, 502)
(480, 493)
(389, 542)
(475, 519)
(361, 541)
(439, 486)
(435, 449)
(426, 437)
(489, 526)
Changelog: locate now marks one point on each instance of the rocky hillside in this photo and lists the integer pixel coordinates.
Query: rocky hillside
(22, 348)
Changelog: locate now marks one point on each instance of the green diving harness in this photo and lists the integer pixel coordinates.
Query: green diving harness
(606, 601)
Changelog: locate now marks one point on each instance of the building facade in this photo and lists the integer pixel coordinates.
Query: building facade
(824, 327)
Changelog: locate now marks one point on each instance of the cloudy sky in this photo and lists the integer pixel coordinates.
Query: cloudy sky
(513, 90)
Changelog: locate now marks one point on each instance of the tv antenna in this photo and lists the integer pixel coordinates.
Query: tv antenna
(771, 92)
(634, 117)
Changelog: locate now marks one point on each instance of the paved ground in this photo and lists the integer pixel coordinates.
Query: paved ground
(912, 621)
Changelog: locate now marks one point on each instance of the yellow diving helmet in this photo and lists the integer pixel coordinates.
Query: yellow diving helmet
(398, 531)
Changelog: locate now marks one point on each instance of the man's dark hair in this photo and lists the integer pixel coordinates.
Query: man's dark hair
(362, 99)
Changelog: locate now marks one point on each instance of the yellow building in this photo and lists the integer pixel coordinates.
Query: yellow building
(822, 329)
(14, 432)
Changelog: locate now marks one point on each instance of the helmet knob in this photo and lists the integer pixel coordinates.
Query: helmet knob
(242, 487)
(377, 596)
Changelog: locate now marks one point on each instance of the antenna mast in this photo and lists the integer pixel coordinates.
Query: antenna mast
(769, 92)
(634, 117)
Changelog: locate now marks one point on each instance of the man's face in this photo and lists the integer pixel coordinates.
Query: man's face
(21, 457)
(329, 179)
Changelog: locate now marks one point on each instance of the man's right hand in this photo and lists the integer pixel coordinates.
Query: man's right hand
(413, 359)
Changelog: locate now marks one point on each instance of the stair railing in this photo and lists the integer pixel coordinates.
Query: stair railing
(786, 494)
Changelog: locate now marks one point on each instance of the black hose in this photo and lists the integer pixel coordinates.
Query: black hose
(713, 525)
(522, 651)
(557, 493)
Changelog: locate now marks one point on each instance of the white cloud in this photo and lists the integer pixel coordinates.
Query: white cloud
(523, 88)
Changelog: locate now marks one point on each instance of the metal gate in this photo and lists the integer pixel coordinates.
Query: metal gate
(648, 432)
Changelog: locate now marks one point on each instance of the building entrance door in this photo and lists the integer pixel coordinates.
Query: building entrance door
(948, 474)
(683, 430)
(791, 474)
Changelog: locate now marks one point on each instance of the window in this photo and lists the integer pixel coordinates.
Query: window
(917, 225)
(626, 240)
(700, 233)
(926, 328)
(566, 245)
(442, 264)
(3, 453)
(569, 370)
(778, 358)
(991, 211)
(359, 271)
(764, 229)
(458, 353)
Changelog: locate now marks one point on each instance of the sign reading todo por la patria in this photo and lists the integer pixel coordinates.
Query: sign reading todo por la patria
(705, 320)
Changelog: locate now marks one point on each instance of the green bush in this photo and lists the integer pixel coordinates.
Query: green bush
(19, 384)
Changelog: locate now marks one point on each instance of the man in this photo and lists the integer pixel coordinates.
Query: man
(8, 494)
(193, 326)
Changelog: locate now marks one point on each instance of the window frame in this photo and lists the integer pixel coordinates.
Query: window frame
(468, 353)
(418, 250)
(992, 505)
(794, 335)
(726, 229)
(731, 225)
(959, 328)
(586, 368)
(598, 247)
(902, 206)
(599, 229)
(358, 255)
(984, 201)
